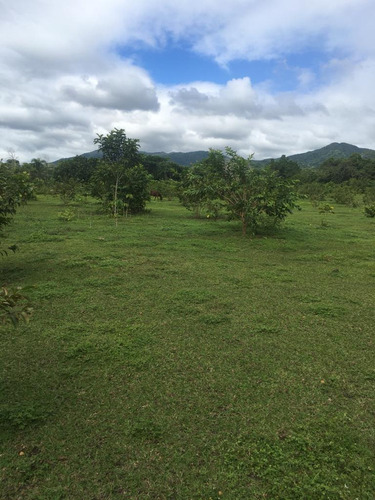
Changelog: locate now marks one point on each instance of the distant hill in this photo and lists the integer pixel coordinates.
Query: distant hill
(318, 156)
(308, 159)
(183, 159)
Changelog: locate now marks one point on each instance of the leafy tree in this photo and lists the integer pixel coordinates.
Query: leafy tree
(197, 189)
(162, 168)
(78, 168)
(339, 170)
(254, 196)
(370, 210)
(15, 189)
(167, 188)
(228, 181)
(285, 167)
(73, 177)
(120, 180)
(344, 194)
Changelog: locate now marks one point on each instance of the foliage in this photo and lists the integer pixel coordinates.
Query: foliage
(67, 215)
(117, 149)
(15, 189)
(135, 189)
(169, 188)
(326, 209)
(369, 195)
(228, 181)
(340, 151)
(252, 195)
(313, 191)
(344, 194)
(69, 189)
(197, 189)
(121, 187)
(40, 174)
(161, 168)
(285, 167)
(14, 306)
(119, 180)
(72, 177)
(370, 210)
(339, 170)
(78, 168)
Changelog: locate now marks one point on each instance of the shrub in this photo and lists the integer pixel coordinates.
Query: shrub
(14, 306)
(67, 215)
(370, 210)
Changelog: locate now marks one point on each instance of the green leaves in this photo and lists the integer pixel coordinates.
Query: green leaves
(14, 306)
(250, 195)
(117, 148)
(15, 189)
(120, 181)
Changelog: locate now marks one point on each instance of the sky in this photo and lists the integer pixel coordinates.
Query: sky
(265, 77)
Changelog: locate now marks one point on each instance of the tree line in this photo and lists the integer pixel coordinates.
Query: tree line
(223, 184)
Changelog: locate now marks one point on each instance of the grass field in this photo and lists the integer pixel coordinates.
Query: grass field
(172, 358)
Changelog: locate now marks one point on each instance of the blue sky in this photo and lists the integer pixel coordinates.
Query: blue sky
(177, 63)
(265, 77)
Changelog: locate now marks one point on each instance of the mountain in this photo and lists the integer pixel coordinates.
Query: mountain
(308, 159)
(318, 156)
(183, 159)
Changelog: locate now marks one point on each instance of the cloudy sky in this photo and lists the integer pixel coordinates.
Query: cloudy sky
(268, 77)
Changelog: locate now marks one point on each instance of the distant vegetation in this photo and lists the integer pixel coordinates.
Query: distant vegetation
(181, 159)
(344, 174)
(309, 159)
(317, 157)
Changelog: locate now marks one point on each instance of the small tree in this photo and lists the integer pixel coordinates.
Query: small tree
(120, 174)
(254, 196)
(197, 189)
(249, 195)
(15, 189)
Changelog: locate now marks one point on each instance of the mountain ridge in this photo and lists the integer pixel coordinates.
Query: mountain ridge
(316, 157)
(312, 158)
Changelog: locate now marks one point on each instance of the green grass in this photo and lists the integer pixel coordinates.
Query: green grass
(171, 358)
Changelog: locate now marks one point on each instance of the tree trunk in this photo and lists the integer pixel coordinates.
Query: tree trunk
(115, 200)
(244, 225)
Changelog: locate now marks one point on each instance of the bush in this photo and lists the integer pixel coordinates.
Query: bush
(67, 215)
(326, 209)
(370, 210)
(14, 306)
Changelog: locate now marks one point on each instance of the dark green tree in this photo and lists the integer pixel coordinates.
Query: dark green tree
(72, 177)
(78, 168)
(285, 167)
(162, 168)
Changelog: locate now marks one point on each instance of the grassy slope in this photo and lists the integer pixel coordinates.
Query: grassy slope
(172, 358)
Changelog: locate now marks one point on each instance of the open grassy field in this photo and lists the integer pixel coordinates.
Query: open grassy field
(171, 358)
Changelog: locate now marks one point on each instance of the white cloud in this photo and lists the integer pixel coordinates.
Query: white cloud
(123, 90)
(62, 79)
